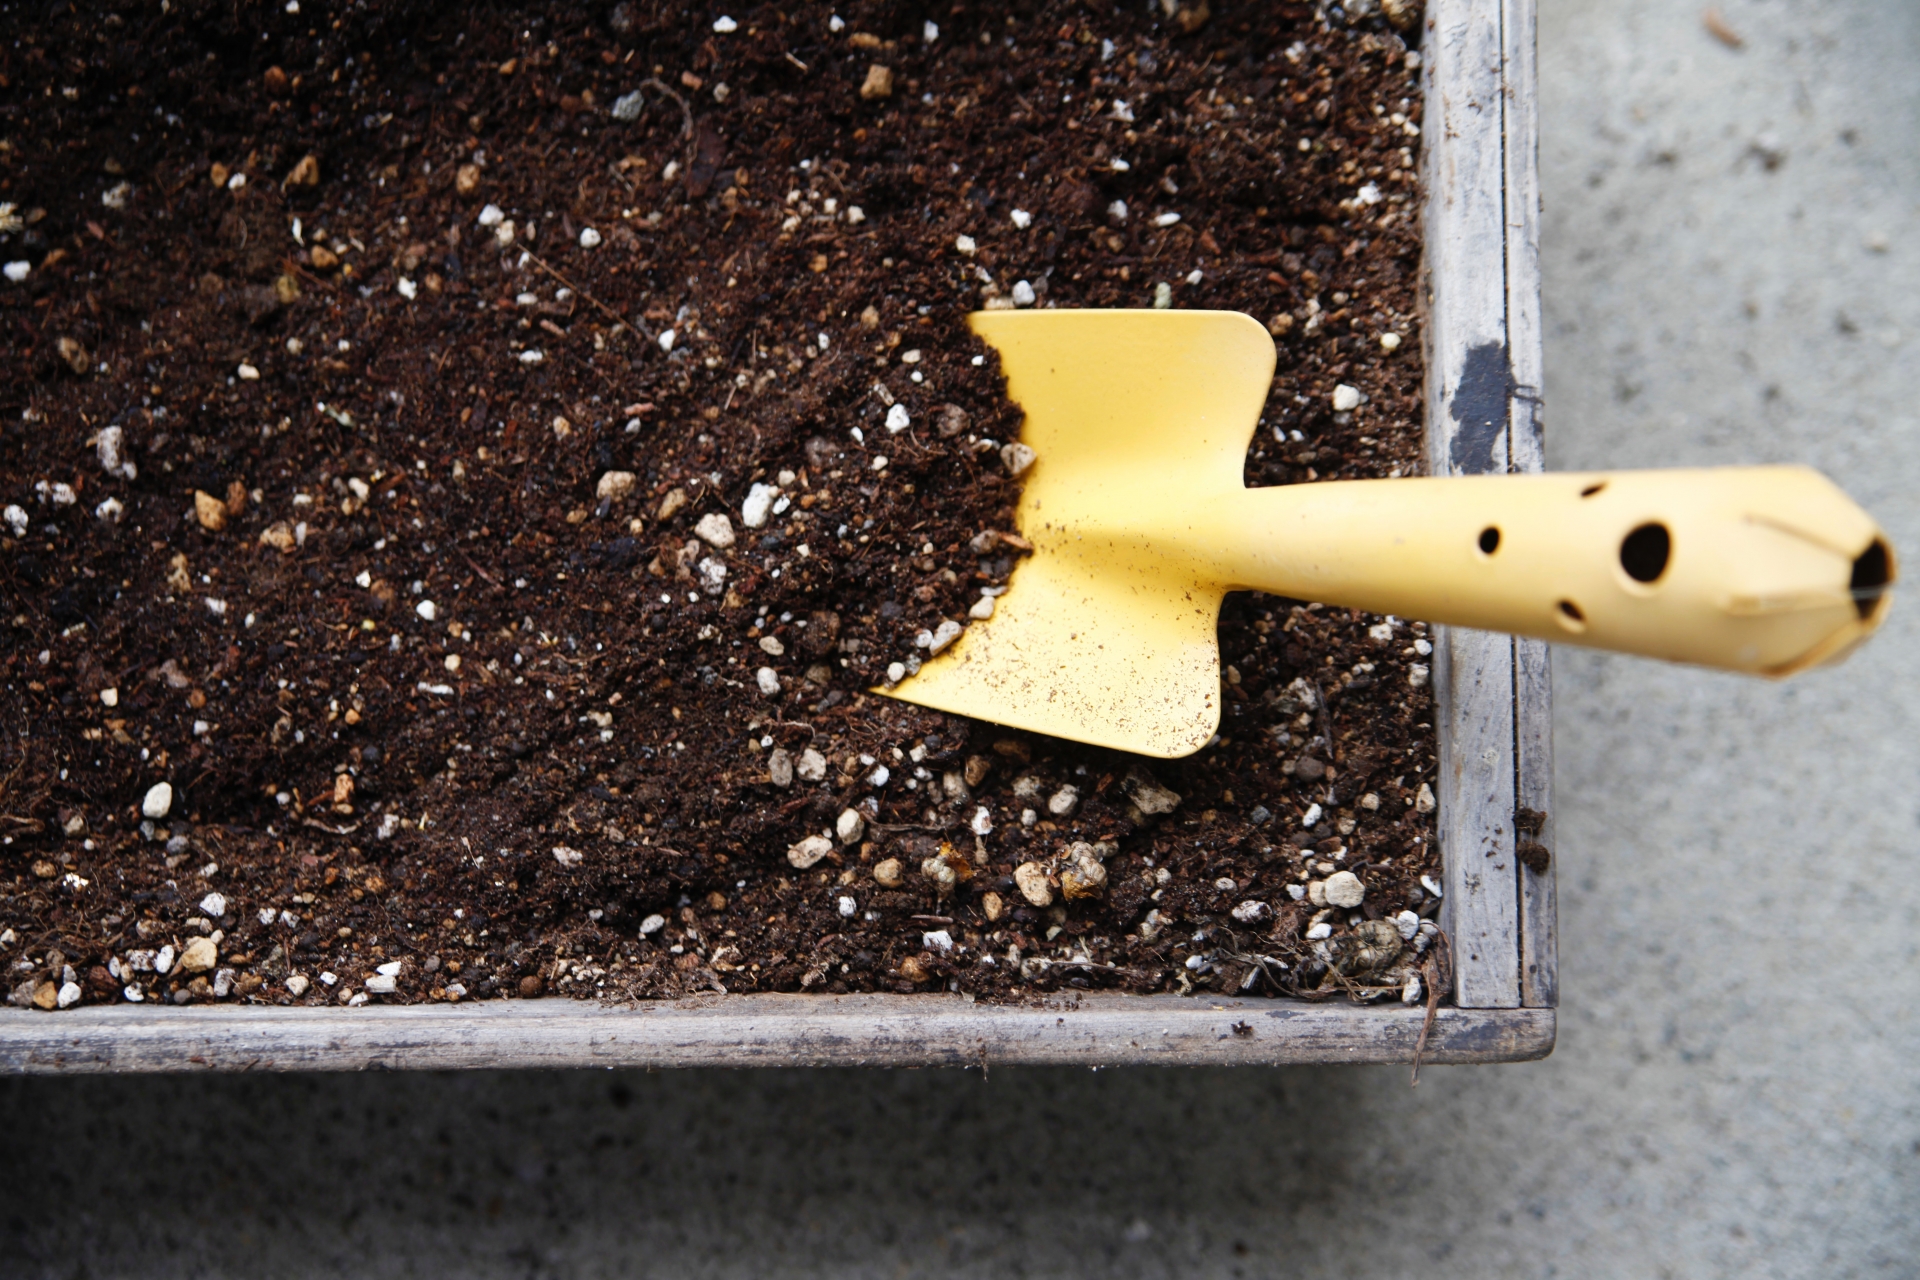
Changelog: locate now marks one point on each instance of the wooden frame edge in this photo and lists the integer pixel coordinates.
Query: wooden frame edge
(1493, 693)
(1481, 285)
(762, 1031)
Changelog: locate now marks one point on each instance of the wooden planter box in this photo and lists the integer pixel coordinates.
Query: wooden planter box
(1482, 291)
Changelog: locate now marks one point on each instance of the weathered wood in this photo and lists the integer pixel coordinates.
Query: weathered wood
(1470, 385)
(1533, 694)
(759, 1031)
(1473, 690)
(1533, 728)
(1533, 688)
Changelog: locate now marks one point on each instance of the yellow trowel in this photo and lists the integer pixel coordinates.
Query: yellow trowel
(1141, 522)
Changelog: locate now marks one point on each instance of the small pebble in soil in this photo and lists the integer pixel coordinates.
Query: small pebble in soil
(812, 766)
(878, 84)
(850, 826)
(1062, 803)
(715, 529)
(158, 801)
(889, 874)
(1018, 457)
(210, 511)
(1345, 889)
(111, 449)
(1031, 879)
(780, 767)
(1408, 924)
(758, 504)
(809, 851)
(768, 681)
(652, 924)
(1250, 912)
(297, 984)
(1345, 398)
(944, 871)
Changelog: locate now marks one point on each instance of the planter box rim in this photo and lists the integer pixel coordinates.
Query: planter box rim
(1481, 290)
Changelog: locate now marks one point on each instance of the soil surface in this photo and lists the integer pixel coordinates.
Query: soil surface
(465, 471)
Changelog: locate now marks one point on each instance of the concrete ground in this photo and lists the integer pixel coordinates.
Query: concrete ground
(1732, 275)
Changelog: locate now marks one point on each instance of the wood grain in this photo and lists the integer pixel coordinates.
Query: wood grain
(1533, 745)
(758, 1031)
(1533, 682)
(1470, 396)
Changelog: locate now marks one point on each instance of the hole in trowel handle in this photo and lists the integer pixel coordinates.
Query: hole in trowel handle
(1872, 570)
(1570, 616)
(1645, 551)
(1489, 540)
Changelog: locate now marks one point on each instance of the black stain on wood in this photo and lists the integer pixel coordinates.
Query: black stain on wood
(1479, 406)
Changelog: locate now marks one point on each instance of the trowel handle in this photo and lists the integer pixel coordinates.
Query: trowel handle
(1759, 569)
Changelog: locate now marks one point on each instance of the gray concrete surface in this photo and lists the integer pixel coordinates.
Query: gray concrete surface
(1734, 1090)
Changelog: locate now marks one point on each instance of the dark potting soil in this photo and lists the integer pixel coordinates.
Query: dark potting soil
(385, 395)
